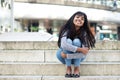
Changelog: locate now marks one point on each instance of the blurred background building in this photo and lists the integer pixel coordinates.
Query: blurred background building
(50, 15)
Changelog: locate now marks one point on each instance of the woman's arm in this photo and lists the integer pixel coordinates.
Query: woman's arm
(66, 46)
(84, 50)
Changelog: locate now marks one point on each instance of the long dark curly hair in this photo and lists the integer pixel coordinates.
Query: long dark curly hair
(84, 33)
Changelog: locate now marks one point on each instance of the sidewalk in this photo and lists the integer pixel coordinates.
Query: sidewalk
(27, 36)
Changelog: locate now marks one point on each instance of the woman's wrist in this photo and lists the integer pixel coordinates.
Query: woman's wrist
(79, 49)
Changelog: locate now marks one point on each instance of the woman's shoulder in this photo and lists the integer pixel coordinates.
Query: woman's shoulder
(65, 33)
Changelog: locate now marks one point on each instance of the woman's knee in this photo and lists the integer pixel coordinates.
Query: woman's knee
(69, 41)
(77, 42)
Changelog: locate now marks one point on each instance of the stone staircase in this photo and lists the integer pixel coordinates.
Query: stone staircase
(28, 63)
(36, 60)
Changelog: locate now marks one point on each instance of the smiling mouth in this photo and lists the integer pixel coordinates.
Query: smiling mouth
(78, 22)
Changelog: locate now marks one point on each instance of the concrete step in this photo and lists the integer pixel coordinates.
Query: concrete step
(82, 78)
(50, 56)
(38, 45)
(57, 69)
(12, 77)
(59, 78)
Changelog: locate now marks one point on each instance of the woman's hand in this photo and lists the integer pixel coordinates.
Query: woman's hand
(84, 50)
(63, 55)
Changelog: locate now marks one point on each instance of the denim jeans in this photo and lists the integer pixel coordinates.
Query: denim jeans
(68, 62)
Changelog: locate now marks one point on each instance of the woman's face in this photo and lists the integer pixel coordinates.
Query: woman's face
(78, 21)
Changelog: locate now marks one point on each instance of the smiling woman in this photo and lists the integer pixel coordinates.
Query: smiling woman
(75, 40)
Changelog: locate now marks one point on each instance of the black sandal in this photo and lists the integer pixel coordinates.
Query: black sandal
(76, 75)
(68, 75)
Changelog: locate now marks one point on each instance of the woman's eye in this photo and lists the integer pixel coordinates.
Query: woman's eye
(82, 19)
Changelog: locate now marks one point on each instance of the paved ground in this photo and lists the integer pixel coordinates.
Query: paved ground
(27, 36)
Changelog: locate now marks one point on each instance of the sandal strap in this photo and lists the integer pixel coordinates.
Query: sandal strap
(68, 75)
(76, 75)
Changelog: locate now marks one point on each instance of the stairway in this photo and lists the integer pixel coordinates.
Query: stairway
(29, 64)
(36, 60)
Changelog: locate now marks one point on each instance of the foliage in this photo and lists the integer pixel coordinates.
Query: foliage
(34, 29)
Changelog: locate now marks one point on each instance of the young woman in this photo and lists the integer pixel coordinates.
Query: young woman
(75, 38)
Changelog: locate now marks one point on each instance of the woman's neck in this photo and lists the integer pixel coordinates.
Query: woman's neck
(77, 28)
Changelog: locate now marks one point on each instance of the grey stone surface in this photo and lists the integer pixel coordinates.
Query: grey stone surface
(26, 36)
(54, 69)
(58, 78)
(50, 56)
(13, 45)
(42, 40)
(34, 57)
(103, 55)
(22, 56)
(93, 56)
(82, 78)
(21, 77)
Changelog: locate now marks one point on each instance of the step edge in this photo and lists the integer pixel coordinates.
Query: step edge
(39, 76)
(58, 63)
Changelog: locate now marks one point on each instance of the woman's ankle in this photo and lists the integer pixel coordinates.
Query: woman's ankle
(68, 70)
(76, 70)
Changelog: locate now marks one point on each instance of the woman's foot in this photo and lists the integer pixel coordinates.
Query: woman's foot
(63, 55)
(76, 75)
(76, 72)
(68, 72)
